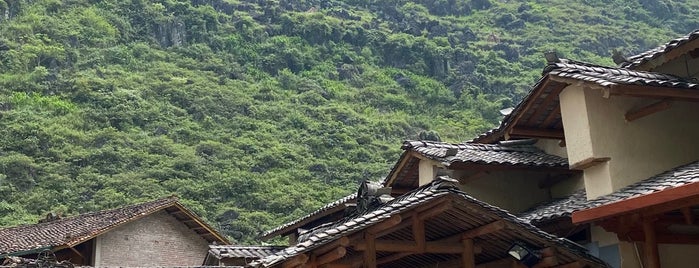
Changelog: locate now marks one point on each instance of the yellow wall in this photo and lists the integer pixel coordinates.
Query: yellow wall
(596, 127)
(514, 191)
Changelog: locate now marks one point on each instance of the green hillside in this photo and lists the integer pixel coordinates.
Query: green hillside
(256, 112)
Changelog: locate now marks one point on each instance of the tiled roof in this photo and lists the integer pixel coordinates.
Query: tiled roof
(608, 76)
(557, 208)
(285, 228)
(478, 213)
(77, 229)
(675, 177)
(246, 252)
(638, 60)
(448, 154)
(581, 71)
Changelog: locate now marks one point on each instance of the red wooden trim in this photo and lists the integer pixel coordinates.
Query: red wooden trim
(638, 203)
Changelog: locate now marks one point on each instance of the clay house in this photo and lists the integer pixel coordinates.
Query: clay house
(630, 132)
(156, 233)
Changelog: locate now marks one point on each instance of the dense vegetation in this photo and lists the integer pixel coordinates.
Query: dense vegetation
(255, 112)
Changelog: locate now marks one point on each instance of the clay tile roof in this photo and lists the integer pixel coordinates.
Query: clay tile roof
(290, 226)
(449, 153)
(636, 61)
(675, 177)
(557, 208)
(477, 213)
(77, 229)
(608, 76)
(246, 252)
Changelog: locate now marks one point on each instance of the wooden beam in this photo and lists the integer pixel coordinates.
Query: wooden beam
(393, 257)
(370, 252)
(419, 232)
(650, 246)
(589, 162)
(655, 92)
(295, 261)
(537, 133)
(528, 102)
(687, 214)
(388, 223)
(331, 256)
(468, 257)
(340, 242)
(653, 203)
(404, 158)
(435, 247)
(542, 106)
(647, 110)
(484, 229)
(549, 119)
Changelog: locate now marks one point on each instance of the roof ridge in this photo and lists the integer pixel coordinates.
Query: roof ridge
(639, 59)
(172, 199)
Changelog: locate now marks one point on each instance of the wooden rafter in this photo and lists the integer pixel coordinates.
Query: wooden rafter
(537, 133)
(295, 261)
(543, 106)
(331, 256)
(647, 110)
(484, 230)
(435, 247)
(553, 115)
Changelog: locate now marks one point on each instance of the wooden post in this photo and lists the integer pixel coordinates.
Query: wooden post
(370, 252)
(468, 256)
(650, 245)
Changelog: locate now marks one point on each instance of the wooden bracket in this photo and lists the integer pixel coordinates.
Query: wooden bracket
(647, 110)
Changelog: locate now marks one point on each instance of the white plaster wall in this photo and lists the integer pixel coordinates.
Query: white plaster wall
(155, 240)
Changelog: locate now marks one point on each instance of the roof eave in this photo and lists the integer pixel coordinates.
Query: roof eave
(670, 199)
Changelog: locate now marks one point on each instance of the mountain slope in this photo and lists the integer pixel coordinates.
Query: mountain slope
(255, 112)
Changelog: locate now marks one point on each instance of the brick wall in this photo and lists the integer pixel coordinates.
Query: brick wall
(156, 240)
